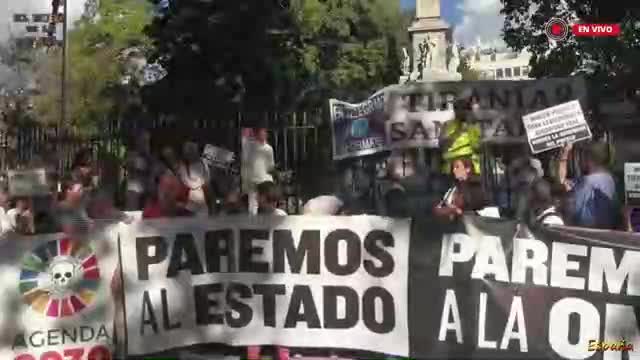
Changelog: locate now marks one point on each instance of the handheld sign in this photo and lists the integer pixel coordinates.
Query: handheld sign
(218, 156)
(632, 184)
(28, 182)
(556, 126)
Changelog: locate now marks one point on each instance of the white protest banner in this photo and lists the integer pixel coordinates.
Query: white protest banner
(415, 114)
(335, 282)
(358, 129)
(556, 126)
(632, 184)
(28, 182)
(56, 299)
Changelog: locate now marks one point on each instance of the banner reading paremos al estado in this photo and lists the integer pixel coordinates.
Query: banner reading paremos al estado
(323, 282)
(56, 299)
(413, 115)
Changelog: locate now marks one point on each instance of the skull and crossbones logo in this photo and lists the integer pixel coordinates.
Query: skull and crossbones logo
(62, 275)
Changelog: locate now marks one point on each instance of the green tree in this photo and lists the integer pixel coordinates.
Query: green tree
(94, 72)
(609, 58)
(262, 55)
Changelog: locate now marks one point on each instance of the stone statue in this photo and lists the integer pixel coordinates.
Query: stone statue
(453, 57)
(422, 59)
(430, 47)
(406, 62)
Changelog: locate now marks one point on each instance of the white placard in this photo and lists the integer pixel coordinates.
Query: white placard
(28, 182)
(556, 126)
(218, 156)
(632, 183)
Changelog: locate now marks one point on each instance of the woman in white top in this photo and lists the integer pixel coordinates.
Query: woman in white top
(194, 174)
(462, 170)
(21, 218)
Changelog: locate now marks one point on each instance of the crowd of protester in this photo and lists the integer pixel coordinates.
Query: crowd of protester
(172, 184)
(169, 184)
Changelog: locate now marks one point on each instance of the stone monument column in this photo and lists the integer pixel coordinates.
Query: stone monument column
(430, 31)
(427, 8)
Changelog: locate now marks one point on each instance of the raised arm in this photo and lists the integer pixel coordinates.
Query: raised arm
(562, 165)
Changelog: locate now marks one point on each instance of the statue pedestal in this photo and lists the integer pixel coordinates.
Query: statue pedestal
(440, 75)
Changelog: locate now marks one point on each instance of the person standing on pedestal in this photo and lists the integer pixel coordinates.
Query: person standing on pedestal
(461, 136)
(260, 166)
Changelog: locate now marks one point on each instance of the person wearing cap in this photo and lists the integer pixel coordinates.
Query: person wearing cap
(461, 136)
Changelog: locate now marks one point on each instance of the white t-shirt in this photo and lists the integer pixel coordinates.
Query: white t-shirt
(195, 176)
(17, 223)
(5, 222)
(260, 162)
(323, 205)
(138, 170)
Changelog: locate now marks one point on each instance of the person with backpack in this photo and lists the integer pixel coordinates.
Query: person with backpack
(592, 197)
(542, 204)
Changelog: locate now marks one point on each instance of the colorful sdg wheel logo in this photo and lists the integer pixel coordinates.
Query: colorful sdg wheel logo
(60, 278)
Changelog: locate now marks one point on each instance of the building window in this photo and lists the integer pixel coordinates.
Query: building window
(516, 71)
(32, 28)
(20, 18)
(41, 18)
(507, 73)
(525, 71)
(499, 74)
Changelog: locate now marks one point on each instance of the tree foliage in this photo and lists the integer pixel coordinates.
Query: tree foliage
(94, 73)
(263, 55)
(611, 59)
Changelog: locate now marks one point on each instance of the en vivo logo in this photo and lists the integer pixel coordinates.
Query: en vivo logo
(558, 29)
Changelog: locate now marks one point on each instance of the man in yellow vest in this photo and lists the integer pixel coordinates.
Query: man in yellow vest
(461, 136)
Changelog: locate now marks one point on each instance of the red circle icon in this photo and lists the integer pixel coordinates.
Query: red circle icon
(557, 29)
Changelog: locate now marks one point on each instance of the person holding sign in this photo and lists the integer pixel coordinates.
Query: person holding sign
(593, 196)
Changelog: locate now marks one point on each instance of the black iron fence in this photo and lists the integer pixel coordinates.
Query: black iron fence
(301, 141)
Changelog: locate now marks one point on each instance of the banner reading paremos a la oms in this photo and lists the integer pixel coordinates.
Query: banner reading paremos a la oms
(56, 299)
(489, 290)
(322, 282)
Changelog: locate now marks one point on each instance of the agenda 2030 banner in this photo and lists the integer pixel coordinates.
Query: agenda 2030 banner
(413, 115)
(56, 300)
(332, 282)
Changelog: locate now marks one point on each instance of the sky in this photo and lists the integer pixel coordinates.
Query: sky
(474, 20)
